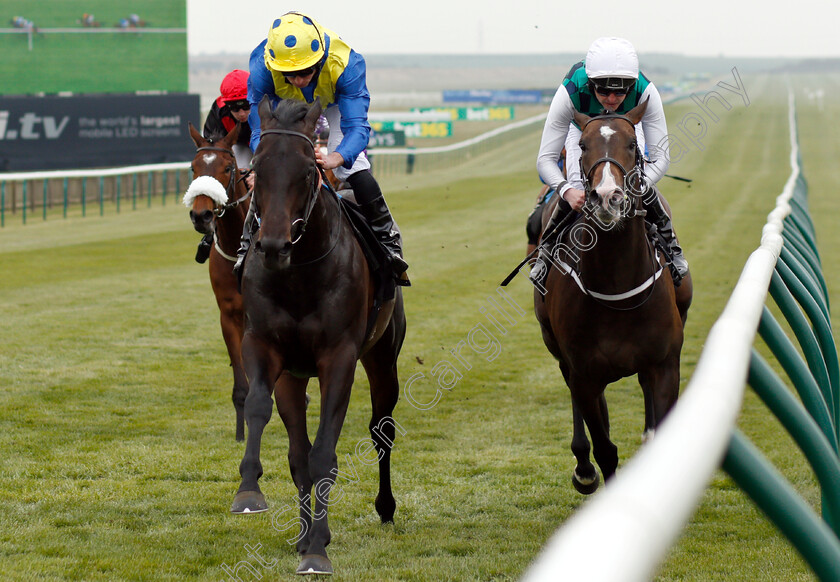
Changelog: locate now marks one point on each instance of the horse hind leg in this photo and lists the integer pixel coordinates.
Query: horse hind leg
(384, 393)
(660, 386)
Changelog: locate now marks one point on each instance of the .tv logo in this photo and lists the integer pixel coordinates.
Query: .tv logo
(30, 124)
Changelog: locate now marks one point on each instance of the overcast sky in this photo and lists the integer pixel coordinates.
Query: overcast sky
(805, 28)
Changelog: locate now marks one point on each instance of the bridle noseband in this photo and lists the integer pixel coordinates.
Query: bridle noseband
(313, 193)
(231, 187)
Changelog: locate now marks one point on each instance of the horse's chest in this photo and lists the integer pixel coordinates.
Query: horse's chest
(615, 345)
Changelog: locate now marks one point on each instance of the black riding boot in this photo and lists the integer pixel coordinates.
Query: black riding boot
(539, 270)
(662, 226)
(373, 207)
(248, 230)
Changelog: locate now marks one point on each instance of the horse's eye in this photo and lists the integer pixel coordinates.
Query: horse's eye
(633, 145)
(582, 146)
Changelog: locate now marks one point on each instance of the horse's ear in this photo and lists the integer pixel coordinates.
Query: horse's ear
(313, 114)
(581, 119)
(264, 108)
(635, 115)
(233, 134)
(196, 137)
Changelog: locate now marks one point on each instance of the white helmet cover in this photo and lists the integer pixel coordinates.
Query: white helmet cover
(612, 57)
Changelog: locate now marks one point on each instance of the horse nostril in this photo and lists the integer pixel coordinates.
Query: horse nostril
(285, 248)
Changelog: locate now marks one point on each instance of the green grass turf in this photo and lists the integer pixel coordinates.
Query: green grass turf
(98, 62)
(116, 427)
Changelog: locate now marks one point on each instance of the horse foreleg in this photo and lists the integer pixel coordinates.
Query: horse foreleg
(263, 368)
(335, 374)
(591, 404)
(290, 397)
(232, 332)
(232, 321)
(585, 476)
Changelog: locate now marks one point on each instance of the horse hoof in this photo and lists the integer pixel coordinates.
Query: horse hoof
(586, 486)
(314, 564)
(249, 502)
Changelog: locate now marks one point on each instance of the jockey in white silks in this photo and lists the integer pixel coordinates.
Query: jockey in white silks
(608, 80)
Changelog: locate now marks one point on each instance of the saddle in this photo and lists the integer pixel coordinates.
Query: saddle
(384, 283)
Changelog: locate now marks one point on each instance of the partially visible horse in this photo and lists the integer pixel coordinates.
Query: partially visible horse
(609, 308)
(310, 312)
(218, 201)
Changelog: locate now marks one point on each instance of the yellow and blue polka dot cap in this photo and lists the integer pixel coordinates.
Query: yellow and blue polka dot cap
(295, 42)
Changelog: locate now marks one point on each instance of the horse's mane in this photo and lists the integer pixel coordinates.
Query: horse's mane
(289, 112)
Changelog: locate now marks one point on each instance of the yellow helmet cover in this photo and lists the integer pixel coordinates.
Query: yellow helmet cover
(295, 42)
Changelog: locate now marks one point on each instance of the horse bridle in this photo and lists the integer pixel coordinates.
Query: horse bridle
(638, 166)
(313, 193)
(231, 187)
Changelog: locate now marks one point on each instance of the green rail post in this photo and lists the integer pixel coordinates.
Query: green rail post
(66, 195)
(784, 350)
(779, 501)
(163, 189)
(150, 182)
(118, 186)
(101, 195)
(84, 196)
(24, 202)
(46, 196)
(807, 339)
(807, 260)
(811, 440)
(805, 279)
(793, 276)
(134, 191)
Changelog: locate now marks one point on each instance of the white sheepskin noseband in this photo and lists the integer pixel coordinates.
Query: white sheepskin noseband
(206, 186)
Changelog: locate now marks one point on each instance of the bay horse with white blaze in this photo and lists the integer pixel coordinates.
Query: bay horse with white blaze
(609, 308)
(309, 300)
(218, 201)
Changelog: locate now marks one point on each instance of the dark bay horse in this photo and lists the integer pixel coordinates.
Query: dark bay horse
(609, 309)
(218, 201)
(308, 313)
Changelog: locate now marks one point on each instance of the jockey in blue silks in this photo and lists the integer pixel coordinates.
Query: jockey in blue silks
(302, 60)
